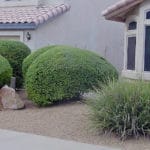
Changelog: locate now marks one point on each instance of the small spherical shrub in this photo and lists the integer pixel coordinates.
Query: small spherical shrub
(29, 59)
(64, 73)
(5, 72)
(15, 52)
(123, 108)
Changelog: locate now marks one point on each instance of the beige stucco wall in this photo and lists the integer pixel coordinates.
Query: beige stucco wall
(84, 27)
(32, 42)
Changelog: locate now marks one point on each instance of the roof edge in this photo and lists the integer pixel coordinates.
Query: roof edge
(123, 7)
(55, 12)
(65, 9)
(18, 26)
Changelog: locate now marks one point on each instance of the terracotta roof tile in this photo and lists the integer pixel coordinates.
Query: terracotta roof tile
(31, 14)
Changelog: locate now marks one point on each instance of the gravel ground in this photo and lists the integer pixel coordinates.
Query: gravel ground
(68, 121)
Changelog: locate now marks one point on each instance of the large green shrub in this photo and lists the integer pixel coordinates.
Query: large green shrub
(29, 60)
(123, 108)
(15, 52)
(5, 71)
(64, 73)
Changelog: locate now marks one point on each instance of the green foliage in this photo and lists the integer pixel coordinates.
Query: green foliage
(123, 108)
(5, 71)
(15, 52)
(64, 73)
(29, 60)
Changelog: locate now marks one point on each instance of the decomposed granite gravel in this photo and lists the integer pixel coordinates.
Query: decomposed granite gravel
(68, 121)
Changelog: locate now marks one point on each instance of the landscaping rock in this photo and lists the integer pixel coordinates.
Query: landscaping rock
(10, 99)
(1, 105)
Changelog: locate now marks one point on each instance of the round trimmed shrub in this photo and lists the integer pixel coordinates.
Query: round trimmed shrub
(15, 52)
(123, 108)
(65, 73)
(29, 59)
(5, 72)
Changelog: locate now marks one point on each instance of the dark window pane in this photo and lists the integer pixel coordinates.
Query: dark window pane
(131, 53)
(147, 49)
(132, 26)
(148, 15)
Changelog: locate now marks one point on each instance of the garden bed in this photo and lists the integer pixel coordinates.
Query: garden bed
(65, 121)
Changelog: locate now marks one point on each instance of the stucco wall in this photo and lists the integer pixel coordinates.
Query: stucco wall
(139, 15)
(32, 42)
(84, 27)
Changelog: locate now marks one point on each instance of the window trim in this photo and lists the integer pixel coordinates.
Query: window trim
(142, 22)
(145, 24)
(143, 70)
(146, 10)
(130, 33)
(130, 24)
(12, 33)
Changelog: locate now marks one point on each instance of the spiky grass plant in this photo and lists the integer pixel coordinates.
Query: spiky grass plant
(123, 108)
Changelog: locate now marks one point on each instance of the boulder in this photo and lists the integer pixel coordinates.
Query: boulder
(10, 99)
(1, 105)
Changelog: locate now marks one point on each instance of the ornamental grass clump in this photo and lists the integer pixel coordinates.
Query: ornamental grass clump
(5, 72)
(123, 108)
(63, 73)
(15, 52)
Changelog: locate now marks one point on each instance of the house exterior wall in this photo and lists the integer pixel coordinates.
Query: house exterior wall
(84, 27)
(32, 42)
(139, 15)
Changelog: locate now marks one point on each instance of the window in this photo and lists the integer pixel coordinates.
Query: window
(148, 15)
(132, 25)
(131, 53)
(147, 49)
(131, 44)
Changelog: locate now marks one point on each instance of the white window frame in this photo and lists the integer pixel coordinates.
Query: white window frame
(145, 22)
(130, 33)
(142, 22)
(12, 33)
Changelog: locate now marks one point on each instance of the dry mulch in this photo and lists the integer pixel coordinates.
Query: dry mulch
(68, 121)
